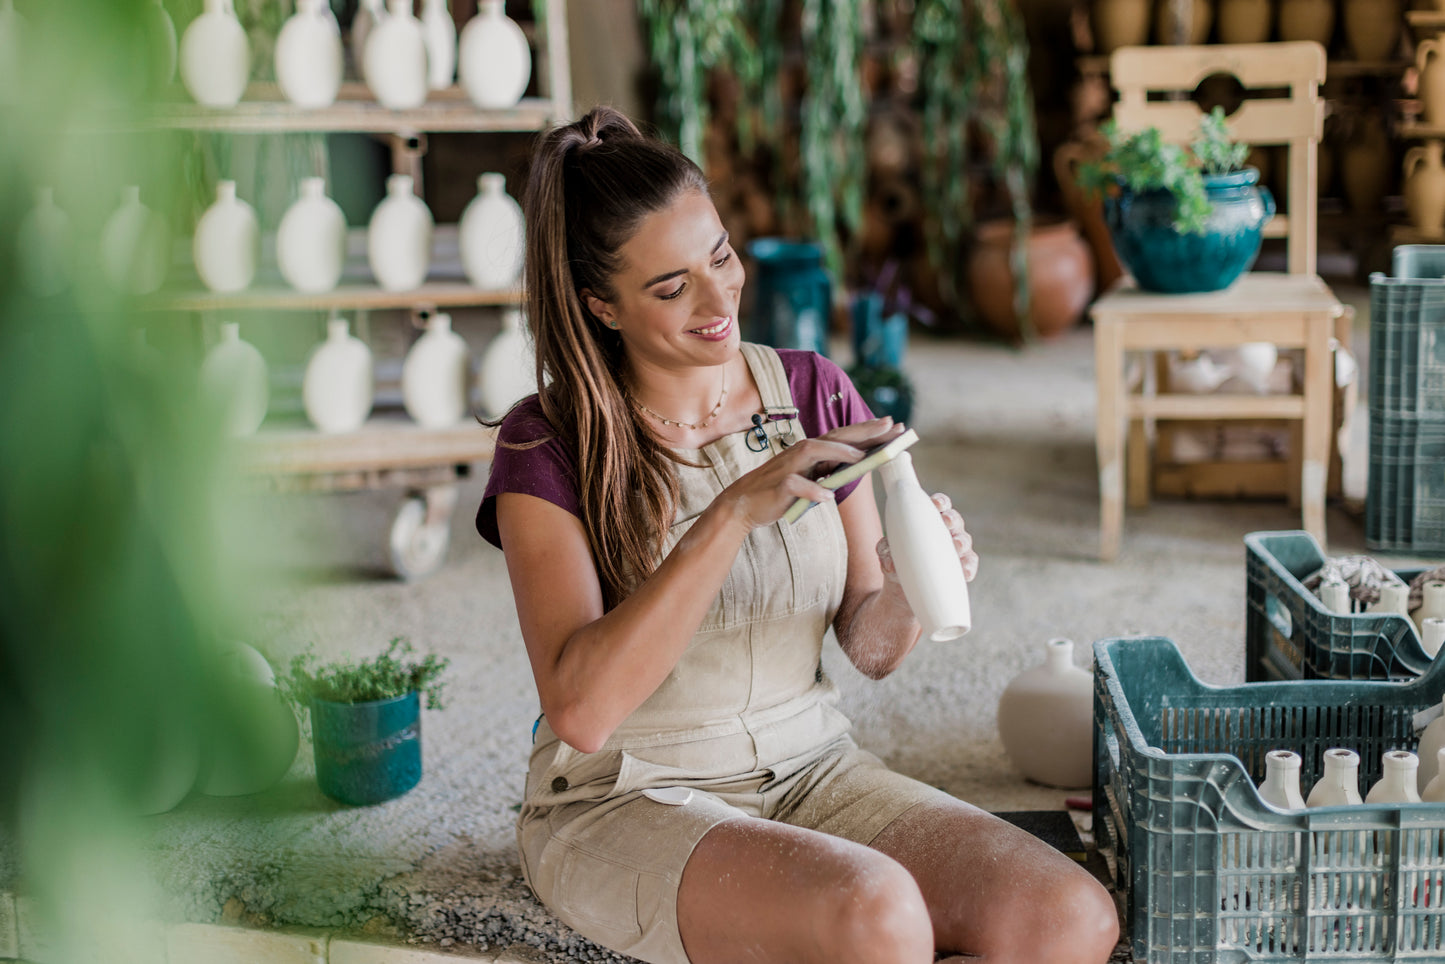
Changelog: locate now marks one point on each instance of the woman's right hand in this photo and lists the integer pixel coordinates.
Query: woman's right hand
(762, 496)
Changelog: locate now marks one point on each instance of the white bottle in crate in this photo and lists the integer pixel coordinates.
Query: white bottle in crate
(1434, 791)
(1432, 606)
(1432, 635)
(1397, 783)
(923, 553)
(1432, 741)
(1281, 780)
(1340, 783)
(1394, 598)
(1336, 597)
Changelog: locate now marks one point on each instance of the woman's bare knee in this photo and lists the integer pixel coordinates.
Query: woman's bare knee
(879, 916)
(1070, 920)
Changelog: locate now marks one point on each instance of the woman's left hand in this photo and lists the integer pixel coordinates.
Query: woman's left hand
(962, 541)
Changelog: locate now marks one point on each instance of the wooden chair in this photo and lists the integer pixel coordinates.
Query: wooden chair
(1293, 309)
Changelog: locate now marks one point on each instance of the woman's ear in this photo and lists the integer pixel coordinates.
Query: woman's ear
(600, 309)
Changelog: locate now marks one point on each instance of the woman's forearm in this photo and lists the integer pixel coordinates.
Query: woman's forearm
(878, 631)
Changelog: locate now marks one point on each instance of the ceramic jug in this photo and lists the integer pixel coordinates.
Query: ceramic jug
(1244, 21)
(1434, 791)
(252, 745)
(368, 14)
(508, 370)
(1431, 65)
(12, 51)
(1425, 178)
(336, 390)
(1340, 783)
(234, 383)
(441, 43)
(395, 59)
(1372, 28)
(158, 33)
(227, 241)
(494, 61)
(1281, 780)
(42, 249)
(1432, 635)
(309, 58)
(134, 246)
(434, 376)
(1254, 363)
(491, 235)
(1307, 20)
(398, 238)
(216, 56)
(1432, 605)
(923, 553)
(1045, 719)
(1166, 27)
(311, 240)
(1397, 783)
(1432, 741)
(1120, 23)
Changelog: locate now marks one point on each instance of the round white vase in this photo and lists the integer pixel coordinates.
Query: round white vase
(398, 237)
(1281, 780)
(1340, 783)
(368, 14)
(227, 242)
(235, 384)
(311, 240)
(134, 246)
(434, 376)
(42, 249)
(508, 371)
(336, 390)
(1397, 783)
(395, 59)
(1046, 720)
(309, 58)
(494, 61)
(491, 235)
(12, 53)
(216, 56)
(441, 43)
(255, 738)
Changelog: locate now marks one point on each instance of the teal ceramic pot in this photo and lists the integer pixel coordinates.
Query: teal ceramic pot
(367, 752)
(792, 295)
(1162, 259)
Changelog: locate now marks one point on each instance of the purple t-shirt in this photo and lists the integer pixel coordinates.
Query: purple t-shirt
(823, 393)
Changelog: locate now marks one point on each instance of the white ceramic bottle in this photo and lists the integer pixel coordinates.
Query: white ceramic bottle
(1432, 635)
(161, 46)
(1336, 598)
(216, 56)
(234, 383)
(368, 14)
(134, 246)
(922, 548)
(1434, 791)
(12, 52)
(491, 235)
(336, 390)
(1432, 605)
(434, 376)
(1398, 779)
(227, 242)
(508, 371)
(1340, 783)
(1432, 741)
(309, 58)
(441, 43)
(42, 249)
(1394, 598)
(395, 59)
(1281, 780)
(494, 61)
(1045, 719)
(311, 240)
(398, 238)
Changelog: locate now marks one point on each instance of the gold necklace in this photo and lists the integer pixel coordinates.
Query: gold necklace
(711, 416)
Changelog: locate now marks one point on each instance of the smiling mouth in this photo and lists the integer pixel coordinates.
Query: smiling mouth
(716, 329)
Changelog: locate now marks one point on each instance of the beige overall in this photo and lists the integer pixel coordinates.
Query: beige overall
(745, 720)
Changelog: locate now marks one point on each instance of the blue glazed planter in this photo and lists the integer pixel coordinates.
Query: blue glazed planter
(1162, 259)
(792, 295)
(367, 752)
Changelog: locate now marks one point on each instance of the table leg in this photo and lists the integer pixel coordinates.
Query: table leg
(1319, 397)
(1109, 433)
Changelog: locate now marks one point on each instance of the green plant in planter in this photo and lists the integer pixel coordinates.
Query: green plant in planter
(382, 677)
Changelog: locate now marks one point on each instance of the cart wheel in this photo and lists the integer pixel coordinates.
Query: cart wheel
(418, 545)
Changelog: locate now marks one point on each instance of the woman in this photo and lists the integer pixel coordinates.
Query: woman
(693, 794)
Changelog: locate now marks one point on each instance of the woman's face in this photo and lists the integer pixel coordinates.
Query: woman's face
(675, 300)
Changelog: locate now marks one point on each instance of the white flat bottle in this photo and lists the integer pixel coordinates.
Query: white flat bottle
(923, 553)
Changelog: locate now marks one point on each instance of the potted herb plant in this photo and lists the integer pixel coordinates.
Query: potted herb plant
(366, 719)
(1183, 220)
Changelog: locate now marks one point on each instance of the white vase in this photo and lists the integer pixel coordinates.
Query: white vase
(1336, 598)
(441, 44)
(1432, 741)
(134, 246)
(494, 61)
(227, 242)
(395, 59)
(927, 563)
(1254, 364)
(508, 370)
(336, 390)
(309, 58)
(1340, 783)
(491, 235)
(234, 382)
(1434, 791)
(1432, 635)
(368, 14)
(311, 240)
(160, 44)
(42, 249)
(1281, 780)
(398, 238)
(254, 742)
(216, 56)
(1397, 783)
(13, 28)
(434, 376)
(1394, 598)
(1045, 719)
(1432, 605)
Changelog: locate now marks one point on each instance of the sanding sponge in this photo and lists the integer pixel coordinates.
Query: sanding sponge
(874, 458)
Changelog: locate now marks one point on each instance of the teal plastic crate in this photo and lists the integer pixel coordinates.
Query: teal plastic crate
(1290, 635)
(1211, 874)
(1407, 334)
(1405, 498)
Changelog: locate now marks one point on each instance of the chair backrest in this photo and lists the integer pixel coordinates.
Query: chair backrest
(1294, 119)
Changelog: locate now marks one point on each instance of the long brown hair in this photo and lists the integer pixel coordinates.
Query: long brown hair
(591, 184)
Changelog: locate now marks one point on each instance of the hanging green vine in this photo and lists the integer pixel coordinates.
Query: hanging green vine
(834, 163)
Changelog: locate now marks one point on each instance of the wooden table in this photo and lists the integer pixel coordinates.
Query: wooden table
(1287, 310)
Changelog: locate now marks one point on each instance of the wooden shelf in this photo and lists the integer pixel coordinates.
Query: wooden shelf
(1365, 68)
(387, 442)
(1425, 19)
(1419, 130)
(435, 293)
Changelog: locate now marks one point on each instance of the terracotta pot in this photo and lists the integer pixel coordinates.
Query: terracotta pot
(1365, 166)
(1307, 20)
(1244, 21)
(1061, 276)
(1425, 187)
(1430, 60)
(1120, 23)
(1087, 212)
(1372, 28)
(1166, 29)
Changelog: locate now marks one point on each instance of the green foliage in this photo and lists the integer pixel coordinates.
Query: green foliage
(1217, 153)
(380, 677)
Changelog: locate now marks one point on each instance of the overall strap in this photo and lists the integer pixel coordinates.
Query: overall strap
(779, 414)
